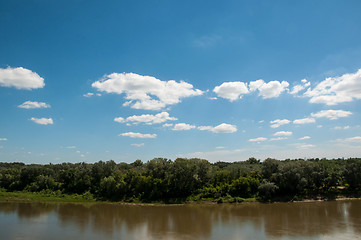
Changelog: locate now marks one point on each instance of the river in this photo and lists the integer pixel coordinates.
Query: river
(306, 220)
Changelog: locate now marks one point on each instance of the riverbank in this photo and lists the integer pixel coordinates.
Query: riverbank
(44, 196)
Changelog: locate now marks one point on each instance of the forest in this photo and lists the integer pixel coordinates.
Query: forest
(190, 180)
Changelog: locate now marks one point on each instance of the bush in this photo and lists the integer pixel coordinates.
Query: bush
(267, 190)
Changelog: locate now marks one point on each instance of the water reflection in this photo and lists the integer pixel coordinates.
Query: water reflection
(338, 219)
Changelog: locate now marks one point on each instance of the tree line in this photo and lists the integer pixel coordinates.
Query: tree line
(164, 180)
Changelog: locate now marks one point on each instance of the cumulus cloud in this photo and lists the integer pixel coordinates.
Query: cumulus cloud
(183, 127)
(335, 90)
(304, 138)
(304, 121)
(259, 139)
(331, 114)
(138, 135)
(32, 105)
(20, 78)
(148, 119)
(278, 122)
(141, 90)
(283, 133)
(231, 90)
(137, 144)
(167, 124)
(3, 139)
(221, 128)
(42, 121)
(268, 90)
(299, 87)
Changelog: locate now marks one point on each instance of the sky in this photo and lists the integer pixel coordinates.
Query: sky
(83, 81)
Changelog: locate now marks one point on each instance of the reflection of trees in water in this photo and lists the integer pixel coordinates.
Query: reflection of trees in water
(354, 216)
(160, 221)
(197, 221)
(27, 210)
(304, 219)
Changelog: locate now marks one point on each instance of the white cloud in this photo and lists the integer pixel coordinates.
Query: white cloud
(296, 89)
(141, 90)
(138, 135)
(353, 139)
(278, 139)
(70, 147)
(304, 138)
(205, 128)
(278, 122)
(183, 127)
(42, 121)
(331, 114)
(89, 94)
(231, 90)
(335, 90)
(268, 90)
(167, 124)
(32, 105)
(224, 128)
(341, 128)
(148, 119)
(3, 139)
(221, 128)
(20, 78)
(82, 155)
(283, 133)
(137, 144)
(220, 147)
(306, 146)
(304, 121)
(259, 139)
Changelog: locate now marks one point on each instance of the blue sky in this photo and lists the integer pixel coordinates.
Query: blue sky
(83, 81)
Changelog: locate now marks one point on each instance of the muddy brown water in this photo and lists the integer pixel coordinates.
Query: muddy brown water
(307, 220)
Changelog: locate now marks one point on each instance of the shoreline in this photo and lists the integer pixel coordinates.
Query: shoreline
(78, 199)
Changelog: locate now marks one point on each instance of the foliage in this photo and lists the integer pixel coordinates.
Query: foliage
(164, 180)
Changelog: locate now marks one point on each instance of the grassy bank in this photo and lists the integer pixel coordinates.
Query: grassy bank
(44, 196)
(57, 196)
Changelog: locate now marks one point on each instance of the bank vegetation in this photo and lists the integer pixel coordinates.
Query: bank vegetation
(187, 180)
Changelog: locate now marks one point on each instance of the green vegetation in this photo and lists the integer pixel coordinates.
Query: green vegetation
(183, 180)
(44, 195)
